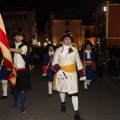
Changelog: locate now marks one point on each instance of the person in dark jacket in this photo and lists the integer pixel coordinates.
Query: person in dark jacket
(48, 55)
(30, 56)
(87, 57)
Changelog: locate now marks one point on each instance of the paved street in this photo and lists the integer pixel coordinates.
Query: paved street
(100, 102)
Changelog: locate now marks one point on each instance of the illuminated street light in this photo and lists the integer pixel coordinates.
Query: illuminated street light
(104, 8)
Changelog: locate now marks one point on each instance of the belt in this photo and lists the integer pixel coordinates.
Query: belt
(21, 69)
(89, 62)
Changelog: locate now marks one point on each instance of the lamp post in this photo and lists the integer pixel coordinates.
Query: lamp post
(105, 25)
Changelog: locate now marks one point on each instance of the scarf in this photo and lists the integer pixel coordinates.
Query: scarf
(65, 49)
(88, 54)
(51, 53)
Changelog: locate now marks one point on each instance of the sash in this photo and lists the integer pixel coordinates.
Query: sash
(68, 68)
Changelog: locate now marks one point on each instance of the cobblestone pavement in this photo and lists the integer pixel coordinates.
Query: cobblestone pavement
(100, 102)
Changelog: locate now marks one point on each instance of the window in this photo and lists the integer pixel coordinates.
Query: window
(20, 17)
(10, 17)
(67, 31)
(19, 29)
(7, 31)
(67, 22)
(6, 17)
(15, 17)
(87, 33)
(25, 17)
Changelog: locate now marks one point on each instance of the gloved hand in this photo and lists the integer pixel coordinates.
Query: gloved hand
(60, 74)
(82, 78)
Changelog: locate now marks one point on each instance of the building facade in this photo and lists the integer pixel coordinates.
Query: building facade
(20, 19)
(60, 23)
(107, 23)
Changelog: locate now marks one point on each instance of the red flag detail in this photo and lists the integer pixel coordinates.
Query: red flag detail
(5, 49)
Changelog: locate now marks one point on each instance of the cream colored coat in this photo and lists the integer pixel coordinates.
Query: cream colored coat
(69, 85)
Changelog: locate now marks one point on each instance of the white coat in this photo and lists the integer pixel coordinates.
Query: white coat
(69, 84)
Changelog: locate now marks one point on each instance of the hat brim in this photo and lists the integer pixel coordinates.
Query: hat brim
(88, 42)
(62, 37)
(60, 43)
(18, 33)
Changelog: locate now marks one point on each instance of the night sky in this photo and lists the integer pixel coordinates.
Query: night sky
(44, 7)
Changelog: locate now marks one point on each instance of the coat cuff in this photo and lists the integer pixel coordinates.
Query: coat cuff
(93, 65)
(81, 73)
(56, 68)
(44, 69)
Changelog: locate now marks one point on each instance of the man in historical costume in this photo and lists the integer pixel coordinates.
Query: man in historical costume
(64, 64)
(23, 84)
(87, 57)
(48, 56)
(3, 77)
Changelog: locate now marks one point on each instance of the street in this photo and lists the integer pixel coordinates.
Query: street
(100, 102)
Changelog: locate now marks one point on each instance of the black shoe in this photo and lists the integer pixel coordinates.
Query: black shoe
(49, 95)
(15, 107)
(89, 86)
(77, 117)
(85, 89)
(3, 97)
(63, 107)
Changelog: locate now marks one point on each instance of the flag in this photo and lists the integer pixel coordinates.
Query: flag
(5, 49)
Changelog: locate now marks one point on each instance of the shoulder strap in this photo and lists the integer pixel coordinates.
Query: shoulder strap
(23, 56)
(13, 46)
(21, 45)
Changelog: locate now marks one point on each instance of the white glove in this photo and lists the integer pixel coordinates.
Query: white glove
(60, 74)
(82, 78)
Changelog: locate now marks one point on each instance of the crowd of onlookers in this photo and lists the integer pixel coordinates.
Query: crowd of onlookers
(35, 56)
(108, 61)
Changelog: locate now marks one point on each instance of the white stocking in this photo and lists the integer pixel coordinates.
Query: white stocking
(4, 87)
(62, 97)
(49, 87)
(75, 102)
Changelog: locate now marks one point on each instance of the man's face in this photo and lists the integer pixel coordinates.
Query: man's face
(88, 47)
(67, 41)
(18, 38)
(30, 48)
(50, 48)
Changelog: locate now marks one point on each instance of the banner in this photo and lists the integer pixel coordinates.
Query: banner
(5, 49)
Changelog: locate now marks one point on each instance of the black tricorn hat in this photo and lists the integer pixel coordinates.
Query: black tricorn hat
(88, 42)
(66, 35)
(50, 45)
(18, 33)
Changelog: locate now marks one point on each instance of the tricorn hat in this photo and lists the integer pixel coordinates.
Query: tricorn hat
(18, 33)
(88, 42)
(66, 35)
(60, 43)
(50, 45)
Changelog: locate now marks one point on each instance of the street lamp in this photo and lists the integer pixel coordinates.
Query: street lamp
(104, 8)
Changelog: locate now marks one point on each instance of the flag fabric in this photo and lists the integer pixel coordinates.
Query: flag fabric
(5, 49)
